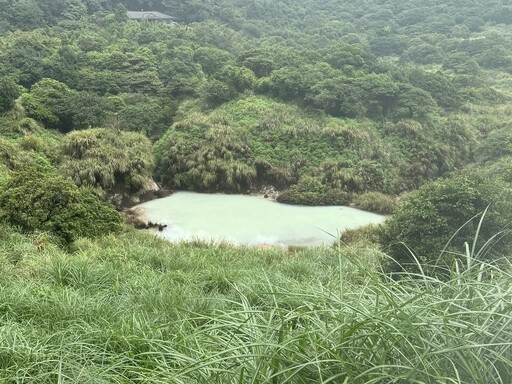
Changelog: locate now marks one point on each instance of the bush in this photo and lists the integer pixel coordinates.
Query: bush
(9, 92)
(108, 159)
(376, 202)
(361, 236)
(205, 155)
(310, 191)
(37, 201)
(495, 146)
(429, 217)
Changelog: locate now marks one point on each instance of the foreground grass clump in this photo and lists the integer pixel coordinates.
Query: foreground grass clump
(134, 309)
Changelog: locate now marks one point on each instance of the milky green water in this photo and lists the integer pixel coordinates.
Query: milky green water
(251, 220)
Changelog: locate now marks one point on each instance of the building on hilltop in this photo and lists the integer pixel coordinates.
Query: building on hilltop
(150, 16)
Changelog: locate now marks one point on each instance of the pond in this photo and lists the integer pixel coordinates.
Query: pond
(250, 220)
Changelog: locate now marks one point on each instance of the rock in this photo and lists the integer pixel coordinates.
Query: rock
(117, 199)
(152, 186)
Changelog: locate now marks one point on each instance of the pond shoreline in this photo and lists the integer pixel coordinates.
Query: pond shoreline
(245, 220)
(138, 216)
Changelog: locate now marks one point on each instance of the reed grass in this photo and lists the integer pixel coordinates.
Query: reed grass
(134, 309)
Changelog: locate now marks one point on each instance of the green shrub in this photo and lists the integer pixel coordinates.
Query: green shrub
(361, 236)
(427, 219)
(375, 202)
(496, 145)
(9, 92)
(108, 159)
(310, 191)
(204, 154)
(37, 201)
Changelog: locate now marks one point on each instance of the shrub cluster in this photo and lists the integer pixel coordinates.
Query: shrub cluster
(447, 213)
(33, 200)
(108, 159)
(310, 191)
(376, 202)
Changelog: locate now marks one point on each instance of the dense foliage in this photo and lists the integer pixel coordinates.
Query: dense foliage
(37, 201)
(108, 159)
(132, 308)
(444, 214)
(387, 96)
(255, 141)
(330, 102)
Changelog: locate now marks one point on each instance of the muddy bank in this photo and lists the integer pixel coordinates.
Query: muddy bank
(268, 192)
(138, 218)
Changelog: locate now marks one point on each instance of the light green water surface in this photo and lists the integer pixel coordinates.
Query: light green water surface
(251, 220)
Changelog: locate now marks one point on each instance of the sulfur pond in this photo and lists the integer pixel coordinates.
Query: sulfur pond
(250, 220)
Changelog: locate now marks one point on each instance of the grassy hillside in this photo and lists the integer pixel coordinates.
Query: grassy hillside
(256, 140)
(134, 309)
(394, 106)
(325, 99)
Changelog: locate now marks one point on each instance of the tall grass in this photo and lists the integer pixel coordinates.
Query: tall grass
(133, 309)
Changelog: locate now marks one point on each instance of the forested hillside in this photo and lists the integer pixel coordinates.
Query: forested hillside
(400, 107)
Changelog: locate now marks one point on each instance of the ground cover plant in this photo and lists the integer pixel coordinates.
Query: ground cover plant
(133, 308)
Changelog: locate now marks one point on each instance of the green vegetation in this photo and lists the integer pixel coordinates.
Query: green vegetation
(132, 308)
(445, 214)
(255, 140)
(108, 159)
(399, 107)
(376, 202)
(37, 201)
(310, 191)
(365, 98)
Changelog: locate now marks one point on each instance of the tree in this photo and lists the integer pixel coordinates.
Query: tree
(388, 45)
(461, 63)
(439, 86)
(428, 218)
(424, 53)
(257, 60)
(212, 60)
(495, 146)
(38, 201)
(415, 103)
(84, 110)
(26, 14)
(350, 57)
(27, 55)
(216, 92)
(144, 114)
(240, 78)
(47, 102)
(9, 92)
